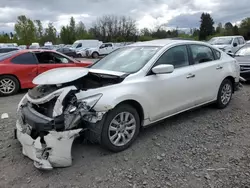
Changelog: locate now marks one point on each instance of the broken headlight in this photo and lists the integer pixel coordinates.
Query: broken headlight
(90, 102)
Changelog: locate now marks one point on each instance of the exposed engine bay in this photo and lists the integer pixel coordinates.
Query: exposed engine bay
(50, 117)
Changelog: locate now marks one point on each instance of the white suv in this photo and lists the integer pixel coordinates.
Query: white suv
(132, 87)
(228, 44)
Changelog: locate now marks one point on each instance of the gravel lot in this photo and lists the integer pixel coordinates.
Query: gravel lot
(202, 148)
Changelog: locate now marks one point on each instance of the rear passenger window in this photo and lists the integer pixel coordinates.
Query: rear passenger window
(201, 54)
(176, 56)
(26, 58)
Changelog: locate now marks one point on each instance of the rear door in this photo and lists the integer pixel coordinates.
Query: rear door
(26, 68)
(208, 72)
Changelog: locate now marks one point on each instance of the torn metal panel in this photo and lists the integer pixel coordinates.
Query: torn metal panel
(58, 108)
(54, 152)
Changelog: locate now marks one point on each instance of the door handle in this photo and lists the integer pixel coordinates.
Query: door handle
(219, 67)
(190, 76)
(42, 66)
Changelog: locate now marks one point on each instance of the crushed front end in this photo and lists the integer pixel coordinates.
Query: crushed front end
(49, 118)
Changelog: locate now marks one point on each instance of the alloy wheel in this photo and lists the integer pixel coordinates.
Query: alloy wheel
(122, 129)
(226, 94)
(7, 86)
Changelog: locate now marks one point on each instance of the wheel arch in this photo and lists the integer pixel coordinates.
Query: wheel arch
(135, 104)
(1, 75)
(231, 78)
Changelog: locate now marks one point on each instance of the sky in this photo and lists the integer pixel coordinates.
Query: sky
(147, 13)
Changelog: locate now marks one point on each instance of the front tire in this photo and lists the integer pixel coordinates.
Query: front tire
(225, 94)
(95, 55)
(9, 85)
(120, 128)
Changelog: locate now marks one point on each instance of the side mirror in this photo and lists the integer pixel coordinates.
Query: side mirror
(235, 44)
(231, 54)
(163, 69)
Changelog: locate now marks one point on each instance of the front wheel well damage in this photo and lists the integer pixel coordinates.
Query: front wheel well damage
(135, 105)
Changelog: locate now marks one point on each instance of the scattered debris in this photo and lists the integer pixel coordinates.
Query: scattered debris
(4, 116)
(145, 171)
(159, 158)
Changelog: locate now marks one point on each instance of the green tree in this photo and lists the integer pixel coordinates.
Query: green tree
(25, 30)
(65, 35)
(245, 28)
(206, 26)
(219, 28)
(50, 34)
(235, 30)
(72, 29)
(39, 30)
(81, 32)
(228, 28)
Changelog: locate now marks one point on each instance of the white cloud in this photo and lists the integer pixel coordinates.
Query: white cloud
(147, 13)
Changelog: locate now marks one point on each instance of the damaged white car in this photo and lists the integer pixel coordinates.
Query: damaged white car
(130, 88)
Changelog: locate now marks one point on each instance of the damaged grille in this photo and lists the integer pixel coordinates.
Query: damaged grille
(45, 108)
(41, 91)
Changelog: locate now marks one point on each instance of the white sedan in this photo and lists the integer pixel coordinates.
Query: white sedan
(110, 101)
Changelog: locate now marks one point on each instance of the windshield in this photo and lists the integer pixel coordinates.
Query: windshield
(244, 51)
(127, 59)
(220, 41)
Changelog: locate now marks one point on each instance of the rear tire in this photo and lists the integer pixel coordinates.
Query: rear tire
(224, 94)
(9, 85)
(121, 128)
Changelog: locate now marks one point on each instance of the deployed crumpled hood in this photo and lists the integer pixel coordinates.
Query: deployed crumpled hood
(68, 74)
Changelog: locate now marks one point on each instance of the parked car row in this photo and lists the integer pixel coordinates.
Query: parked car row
(109, 101)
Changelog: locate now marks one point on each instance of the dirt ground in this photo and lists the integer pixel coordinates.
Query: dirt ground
(202, 148)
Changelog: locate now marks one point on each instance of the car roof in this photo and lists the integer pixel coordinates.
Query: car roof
(36, 50)
(165, 42)
(229, 36)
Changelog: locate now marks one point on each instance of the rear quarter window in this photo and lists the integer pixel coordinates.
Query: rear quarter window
(217, 54)
(25, 59)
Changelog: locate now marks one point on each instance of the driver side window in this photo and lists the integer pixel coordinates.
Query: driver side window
(51, 58)
(176, 56)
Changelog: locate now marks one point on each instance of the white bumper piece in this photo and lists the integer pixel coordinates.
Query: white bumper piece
(53, 151)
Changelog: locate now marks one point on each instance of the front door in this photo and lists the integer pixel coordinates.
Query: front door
(173, 92)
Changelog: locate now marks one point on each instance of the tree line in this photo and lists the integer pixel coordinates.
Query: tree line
(112, 28)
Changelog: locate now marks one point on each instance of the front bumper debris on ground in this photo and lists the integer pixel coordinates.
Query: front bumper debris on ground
(53, 150)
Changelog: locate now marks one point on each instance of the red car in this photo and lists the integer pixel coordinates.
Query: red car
(18, 68)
